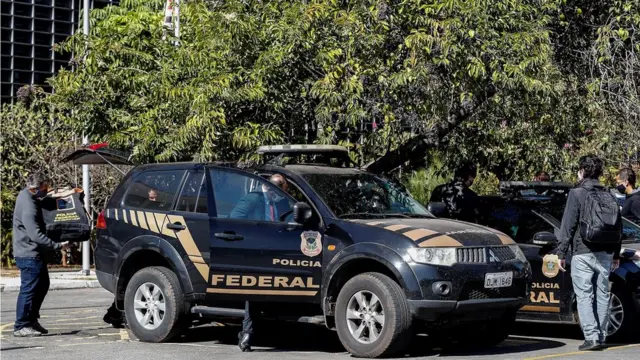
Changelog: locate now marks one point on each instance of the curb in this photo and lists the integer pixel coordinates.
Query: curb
(75, 284)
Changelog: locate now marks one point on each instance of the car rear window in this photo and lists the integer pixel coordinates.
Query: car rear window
(154, 190)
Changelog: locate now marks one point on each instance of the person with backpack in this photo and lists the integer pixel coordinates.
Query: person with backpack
(592, 228)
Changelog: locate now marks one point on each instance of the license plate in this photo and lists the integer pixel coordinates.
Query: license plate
(498, 280)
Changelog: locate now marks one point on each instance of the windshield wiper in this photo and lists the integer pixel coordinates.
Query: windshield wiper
(375, 215)
(418, 216)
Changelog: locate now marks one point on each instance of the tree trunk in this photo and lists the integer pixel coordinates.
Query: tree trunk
(416, 148)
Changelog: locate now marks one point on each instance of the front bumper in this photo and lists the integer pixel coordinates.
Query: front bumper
(434, 310)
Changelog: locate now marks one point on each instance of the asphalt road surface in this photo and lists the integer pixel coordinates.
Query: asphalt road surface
(74, 319)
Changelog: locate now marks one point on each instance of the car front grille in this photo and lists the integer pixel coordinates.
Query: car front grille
(468, 255)
(471, 255)
(477, 291)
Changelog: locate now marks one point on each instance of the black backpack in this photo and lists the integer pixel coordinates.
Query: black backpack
(600, 220)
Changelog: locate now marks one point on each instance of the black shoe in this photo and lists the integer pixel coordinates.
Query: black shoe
(590, 345)
(37, 327)
(245, 342)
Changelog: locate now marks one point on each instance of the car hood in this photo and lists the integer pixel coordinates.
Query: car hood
(441, 232)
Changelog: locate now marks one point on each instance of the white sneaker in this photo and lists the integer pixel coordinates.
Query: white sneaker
(27, 332)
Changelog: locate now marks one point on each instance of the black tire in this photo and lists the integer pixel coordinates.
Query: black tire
(477, 336)
(630, 319)
(174, 318)
(396, 332)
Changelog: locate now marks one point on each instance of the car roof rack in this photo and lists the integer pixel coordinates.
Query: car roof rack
(535, 189)
(314, 154)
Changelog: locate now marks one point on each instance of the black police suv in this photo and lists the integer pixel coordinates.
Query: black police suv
(531, 214)
(341, 246)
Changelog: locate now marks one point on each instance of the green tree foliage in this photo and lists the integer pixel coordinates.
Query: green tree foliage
(310, 71)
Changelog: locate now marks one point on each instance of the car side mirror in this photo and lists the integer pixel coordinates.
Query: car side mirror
(544, 238)
(438, 209)
(303, 214)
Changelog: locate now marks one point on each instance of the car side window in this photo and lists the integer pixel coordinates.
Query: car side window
(530, 224)
(193, 197)
(243, 196)
(154, 190)
(630, 231)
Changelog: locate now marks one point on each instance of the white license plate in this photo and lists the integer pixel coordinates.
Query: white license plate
(498, 280)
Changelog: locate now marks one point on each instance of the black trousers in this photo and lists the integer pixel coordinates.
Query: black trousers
(251, 313)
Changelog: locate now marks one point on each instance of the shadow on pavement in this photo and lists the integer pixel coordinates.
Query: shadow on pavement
(282, 337)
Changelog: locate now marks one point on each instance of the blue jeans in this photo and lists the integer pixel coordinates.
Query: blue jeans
(590, 276)
(34, 285)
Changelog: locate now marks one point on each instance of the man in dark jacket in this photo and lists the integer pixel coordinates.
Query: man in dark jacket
(590, 263)
(267, 205)
(461, 202)
(626, 183)
(31, 248)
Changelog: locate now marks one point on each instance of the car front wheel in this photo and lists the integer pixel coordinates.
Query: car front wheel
(622, 315)
(372, 316)
(154, 305)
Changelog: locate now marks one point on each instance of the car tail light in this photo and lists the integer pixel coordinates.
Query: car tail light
(101, 223)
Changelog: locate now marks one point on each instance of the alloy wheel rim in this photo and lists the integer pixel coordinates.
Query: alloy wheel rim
(616, 315)
(365, 317)
(149, 305)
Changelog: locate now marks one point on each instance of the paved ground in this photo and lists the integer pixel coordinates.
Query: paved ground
(60, 280)
(74, 318)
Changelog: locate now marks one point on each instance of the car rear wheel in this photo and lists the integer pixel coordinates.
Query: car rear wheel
(372, 316)
(622, 315)
(154, 305)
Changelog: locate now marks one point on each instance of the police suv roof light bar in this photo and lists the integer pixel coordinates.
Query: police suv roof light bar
(277, 153)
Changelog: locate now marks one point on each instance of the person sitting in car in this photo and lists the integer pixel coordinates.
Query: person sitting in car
(265, 205)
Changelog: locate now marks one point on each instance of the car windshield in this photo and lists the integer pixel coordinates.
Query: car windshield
(362, 195)
(631, 232)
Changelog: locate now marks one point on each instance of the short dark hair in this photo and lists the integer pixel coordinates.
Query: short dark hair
(592, 166)
(542, 176)
(627, 174)
(36, 180)
(466, 170)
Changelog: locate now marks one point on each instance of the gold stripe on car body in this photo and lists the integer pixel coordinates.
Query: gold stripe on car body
(396, 227)
(262, 292)
(189, 245)
(116, 213)
(160, 218)
(535, 308)
(374, 223)
(418, 234)
(124, 216)
(143, 222)
(441, 241)
(505, 240)
(132, 216)
(151, 221)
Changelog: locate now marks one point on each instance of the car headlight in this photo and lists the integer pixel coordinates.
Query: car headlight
(433, 256)
(518, 252)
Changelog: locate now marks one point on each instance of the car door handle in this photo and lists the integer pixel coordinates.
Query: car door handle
(229, 236)
(176, 226)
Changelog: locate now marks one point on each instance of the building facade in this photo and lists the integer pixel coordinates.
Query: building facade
(29, 30)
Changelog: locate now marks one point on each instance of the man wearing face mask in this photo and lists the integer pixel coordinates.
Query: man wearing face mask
(460, 201)
(592, 228)
(31, 250)
(626, 183)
